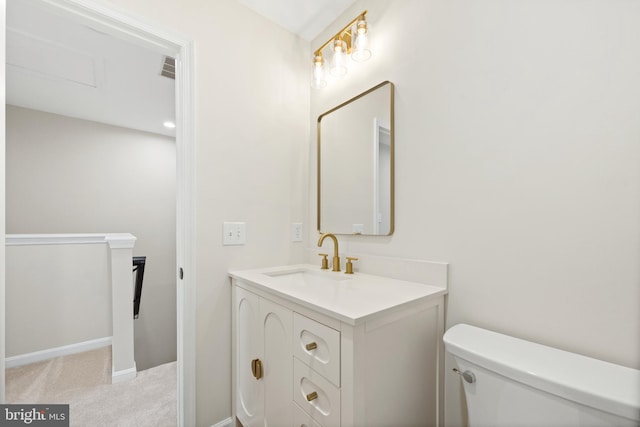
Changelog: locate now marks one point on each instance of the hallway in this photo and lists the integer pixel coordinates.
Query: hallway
(83, 380)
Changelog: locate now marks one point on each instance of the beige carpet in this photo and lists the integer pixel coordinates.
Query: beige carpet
(84, 382)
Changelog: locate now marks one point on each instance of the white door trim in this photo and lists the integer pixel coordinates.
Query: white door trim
(125, 26)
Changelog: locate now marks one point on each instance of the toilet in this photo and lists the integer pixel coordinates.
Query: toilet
(511, 382)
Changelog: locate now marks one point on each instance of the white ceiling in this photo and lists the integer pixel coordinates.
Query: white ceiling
(58, 65)
(307, 18)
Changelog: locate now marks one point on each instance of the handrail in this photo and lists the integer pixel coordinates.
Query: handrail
(138, 268)
(66, 239)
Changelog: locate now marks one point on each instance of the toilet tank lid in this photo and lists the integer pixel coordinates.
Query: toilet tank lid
(606, 386)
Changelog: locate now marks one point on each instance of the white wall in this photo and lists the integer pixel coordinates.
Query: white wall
(518, 162)
(58, 295)
(252, 134)
(66, 175)
(2, 190)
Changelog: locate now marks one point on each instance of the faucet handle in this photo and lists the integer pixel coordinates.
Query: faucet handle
(325, 261)
(349, 265)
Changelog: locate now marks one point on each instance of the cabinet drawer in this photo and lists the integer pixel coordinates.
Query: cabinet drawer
(318, 346)
(315, 395)
(302, 419)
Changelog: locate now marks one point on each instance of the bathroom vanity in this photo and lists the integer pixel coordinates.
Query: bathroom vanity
(313, 347)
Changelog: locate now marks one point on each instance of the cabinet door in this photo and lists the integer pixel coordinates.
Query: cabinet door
(278, 364)
(249, 342)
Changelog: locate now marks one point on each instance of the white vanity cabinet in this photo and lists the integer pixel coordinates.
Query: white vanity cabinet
(337, 362)
(263, 369)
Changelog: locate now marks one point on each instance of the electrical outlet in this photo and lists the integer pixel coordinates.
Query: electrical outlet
(296, 232)
(234, 233)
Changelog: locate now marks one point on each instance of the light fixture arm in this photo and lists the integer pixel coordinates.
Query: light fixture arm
(344, 34)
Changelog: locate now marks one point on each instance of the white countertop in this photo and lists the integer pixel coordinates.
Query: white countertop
(350, 298)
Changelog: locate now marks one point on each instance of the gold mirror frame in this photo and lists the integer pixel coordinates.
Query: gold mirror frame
(345, 180)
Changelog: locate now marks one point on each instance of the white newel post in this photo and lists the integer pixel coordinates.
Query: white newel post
(121, 278)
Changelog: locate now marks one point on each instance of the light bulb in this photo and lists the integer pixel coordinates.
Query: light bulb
(361, 50)
(339, 62)
(318, 80)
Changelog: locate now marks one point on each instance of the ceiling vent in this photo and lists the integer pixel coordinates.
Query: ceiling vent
(169, 67)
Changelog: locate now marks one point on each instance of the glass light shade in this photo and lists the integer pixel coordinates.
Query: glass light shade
(318, 81)
(361, 51)
(339, 61)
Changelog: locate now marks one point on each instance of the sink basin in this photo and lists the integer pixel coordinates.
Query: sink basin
(345, 297)
(307, 278)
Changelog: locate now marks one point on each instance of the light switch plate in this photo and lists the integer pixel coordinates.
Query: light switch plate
(296, 232)
(234, 233)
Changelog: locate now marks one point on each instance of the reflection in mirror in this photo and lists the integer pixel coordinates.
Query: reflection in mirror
(355, 164)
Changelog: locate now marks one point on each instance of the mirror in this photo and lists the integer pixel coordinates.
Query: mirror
(355, 165)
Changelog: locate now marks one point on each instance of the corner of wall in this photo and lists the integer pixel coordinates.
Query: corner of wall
(2, 198)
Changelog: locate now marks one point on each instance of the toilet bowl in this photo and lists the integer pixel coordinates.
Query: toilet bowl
(512, 382)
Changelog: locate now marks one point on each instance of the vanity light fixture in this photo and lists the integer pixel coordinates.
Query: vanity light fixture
(361, 51)
(350, 40)
(319, 80)
(339, 62)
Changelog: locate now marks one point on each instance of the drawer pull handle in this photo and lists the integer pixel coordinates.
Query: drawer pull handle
(312, 396)
(311, 346)
(256, 368)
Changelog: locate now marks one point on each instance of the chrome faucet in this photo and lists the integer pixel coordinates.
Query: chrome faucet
(336, 258)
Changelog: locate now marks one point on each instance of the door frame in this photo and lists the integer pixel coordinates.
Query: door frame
(124, 26)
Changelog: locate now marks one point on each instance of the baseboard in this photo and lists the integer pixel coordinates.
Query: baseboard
(124, 375)
(224, 423)
(52, 353)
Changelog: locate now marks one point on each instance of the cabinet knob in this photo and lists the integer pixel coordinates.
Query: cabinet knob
(311, 346)
(256, 368)
(312, 396)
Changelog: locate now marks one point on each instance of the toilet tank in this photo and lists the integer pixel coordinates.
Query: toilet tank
(520, 383)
